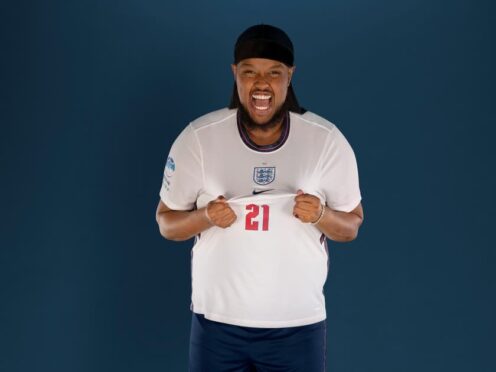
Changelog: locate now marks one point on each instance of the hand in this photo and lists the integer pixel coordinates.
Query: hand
(307, 207)
(219, 213)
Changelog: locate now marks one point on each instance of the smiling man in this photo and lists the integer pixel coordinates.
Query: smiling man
(261, 185)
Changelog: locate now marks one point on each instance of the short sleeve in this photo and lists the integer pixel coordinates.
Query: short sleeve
(339, 180)
(183, 174)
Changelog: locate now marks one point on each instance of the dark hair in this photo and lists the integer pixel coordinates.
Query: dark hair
(291, 100)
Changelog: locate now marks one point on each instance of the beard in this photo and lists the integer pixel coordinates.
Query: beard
(271, 123)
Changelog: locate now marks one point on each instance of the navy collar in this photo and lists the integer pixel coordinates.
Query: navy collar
(264, 148)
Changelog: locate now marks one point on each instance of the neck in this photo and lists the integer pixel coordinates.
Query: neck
(265, 136)
(267, 133)
(268, 139)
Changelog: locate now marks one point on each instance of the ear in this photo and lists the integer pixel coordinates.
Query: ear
(291, 71)
(234, 70)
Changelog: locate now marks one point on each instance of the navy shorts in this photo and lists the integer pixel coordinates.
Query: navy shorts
(220, 347)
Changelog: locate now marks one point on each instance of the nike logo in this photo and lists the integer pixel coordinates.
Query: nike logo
(255, 192)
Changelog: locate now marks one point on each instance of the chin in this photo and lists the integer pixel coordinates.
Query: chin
(261, 120)
(251, 120)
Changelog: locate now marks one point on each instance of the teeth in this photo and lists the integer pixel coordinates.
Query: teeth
(261, 108)
(259, 96)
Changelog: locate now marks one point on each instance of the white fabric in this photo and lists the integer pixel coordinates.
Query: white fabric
(268, 276)
(252, 278)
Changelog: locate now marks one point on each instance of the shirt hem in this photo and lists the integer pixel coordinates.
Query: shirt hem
(347, 207)
(171, 204)
(261, 323)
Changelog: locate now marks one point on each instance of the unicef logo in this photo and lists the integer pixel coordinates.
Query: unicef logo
(170, 167)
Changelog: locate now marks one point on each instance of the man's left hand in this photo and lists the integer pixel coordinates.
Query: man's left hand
(307, 207)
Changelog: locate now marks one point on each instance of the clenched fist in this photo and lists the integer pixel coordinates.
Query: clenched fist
(307, 208)
(219, 213)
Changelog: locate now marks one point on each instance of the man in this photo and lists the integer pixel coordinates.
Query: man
(260, 184)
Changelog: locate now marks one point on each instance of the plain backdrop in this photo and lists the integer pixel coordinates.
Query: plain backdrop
(93, 93)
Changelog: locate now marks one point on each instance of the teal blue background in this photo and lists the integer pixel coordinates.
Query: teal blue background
(93, 93)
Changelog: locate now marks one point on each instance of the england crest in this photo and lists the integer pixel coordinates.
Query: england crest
(264, 175)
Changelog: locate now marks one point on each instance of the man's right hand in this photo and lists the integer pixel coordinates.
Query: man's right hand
(219, 213)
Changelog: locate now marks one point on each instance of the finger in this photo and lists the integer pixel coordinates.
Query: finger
(229, 216)
(308, 207)
(308, 200)
(304, 197)
(297, 212)
(300, 212)
(304, 217)
(307, 197)
(226, 208)
(221, 217)
(228, 221)
(220, 199)
(220, 207)
(231, 220)
(305, 212)
(299, 195)
(223, 222)
(226, 212)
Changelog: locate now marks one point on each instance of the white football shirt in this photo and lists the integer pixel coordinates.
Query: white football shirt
(268, 269)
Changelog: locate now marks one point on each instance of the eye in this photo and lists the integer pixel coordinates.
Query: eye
(275, 73)
(249, 73)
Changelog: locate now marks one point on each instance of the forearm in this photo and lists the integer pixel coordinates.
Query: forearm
(182, 225)
(339, 226)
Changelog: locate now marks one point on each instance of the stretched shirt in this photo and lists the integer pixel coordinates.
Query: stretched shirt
(266, 270)
(269, 268)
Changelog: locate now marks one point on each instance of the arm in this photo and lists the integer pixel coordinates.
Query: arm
(341, 226)
(340, 186)
(336, 225)
(180, 225)
(183, 225)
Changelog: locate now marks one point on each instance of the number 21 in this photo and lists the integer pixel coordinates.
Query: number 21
(254, 211)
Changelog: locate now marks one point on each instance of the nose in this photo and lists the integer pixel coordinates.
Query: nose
(260, 82)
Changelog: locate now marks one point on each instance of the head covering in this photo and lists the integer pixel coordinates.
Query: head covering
(264, 41)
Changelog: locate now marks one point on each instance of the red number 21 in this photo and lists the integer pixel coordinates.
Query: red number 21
(254, 211)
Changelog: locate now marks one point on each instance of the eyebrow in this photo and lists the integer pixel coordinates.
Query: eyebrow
(243, 64)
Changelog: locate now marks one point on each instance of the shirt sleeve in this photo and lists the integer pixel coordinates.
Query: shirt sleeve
(183, 174)
(339, 180)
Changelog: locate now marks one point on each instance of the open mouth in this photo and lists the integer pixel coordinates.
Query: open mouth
(261, 101)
